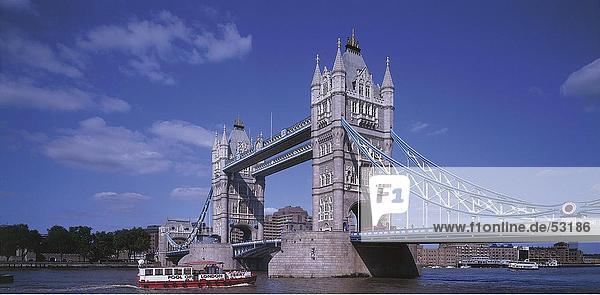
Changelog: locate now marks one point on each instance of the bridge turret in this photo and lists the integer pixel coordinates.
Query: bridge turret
(223, 145)
(338, 74)
(387, 93)
(387, 87)
(315, 85)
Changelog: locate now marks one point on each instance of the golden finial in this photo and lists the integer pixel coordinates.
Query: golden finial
(353, 42)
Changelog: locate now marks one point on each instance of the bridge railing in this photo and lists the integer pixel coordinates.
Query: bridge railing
(289, 155)
(271, 141)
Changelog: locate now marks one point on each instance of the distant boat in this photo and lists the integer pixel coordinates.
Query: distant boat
(465, 266)
(525, 265)
(450, 266)
(6, 279)
(436, 266)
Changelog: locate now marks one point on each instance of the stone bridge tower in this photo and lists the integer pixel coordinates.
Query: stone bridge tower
(346, 91)
(238, 198)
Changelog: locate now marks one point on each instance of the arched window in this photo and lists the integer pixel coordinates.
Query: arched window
(243, 207)
(368, 90)
(361, 87)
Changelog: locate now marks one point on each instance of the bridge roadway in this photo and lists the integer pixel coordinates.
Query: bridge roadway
(286, 139)
(428, 236)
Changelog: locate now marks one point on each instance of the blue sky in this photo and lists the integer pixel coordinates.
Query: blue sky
(108, 108)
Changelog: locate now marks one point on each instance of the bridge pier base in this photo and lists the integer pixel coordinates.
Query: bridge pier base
(331, 254)
(215, 252)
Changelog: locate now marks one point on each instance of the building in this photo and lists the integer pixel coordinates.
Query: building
(153, 232)
(451, 254)
(286, 219)
(563, 253)
(237, 201)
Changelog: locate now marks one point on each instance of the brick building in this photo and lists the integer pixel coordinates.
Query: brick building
(286, 219)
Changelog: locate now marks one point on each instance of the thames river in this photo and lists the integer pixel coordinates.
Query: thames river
(546, 280)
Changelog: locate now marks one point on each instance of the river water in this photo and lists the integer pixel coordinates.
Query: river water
(546, 280)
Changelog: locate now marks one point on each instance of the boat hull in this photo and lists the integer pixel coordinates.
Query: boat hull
(199, 283)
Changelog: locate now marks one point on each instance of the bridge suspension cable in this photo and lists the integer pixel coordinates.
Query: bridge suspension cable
(437, 186)
(195, 228)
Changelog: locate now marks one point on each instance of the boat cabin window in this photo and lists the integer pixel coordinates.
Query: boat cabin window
(187, 271)
(168, 271)
(158, 272)
(148, 272)
(177, 271)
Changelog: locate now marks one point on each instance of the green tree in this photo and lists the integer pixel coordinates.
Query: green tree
(141, 240)
(18, 236)
(103, 246)
(133, 241)
(8, 244)
(123, 241)
(59, 241)
(81, 238)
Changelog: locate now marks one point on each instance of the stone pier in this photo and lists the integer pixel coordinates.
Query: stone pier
(215, 252)
(331, 254)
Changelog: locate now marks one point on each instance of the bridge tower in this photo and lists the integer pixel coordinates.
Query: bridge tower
(349, 91)
(238, 198)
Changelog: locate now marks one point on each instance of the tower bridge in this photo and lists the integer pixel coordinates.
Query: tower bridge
(350, 128)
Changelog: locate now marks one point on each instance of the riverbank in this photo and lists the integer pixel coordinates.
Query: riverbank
(27, 265)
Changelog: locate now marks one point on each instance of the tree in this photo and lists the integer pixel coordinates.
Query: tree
(103, 246)
(81, 237)
(141, 240)
(8, 245)
(59, 241)
(18, 236)
(133, 241)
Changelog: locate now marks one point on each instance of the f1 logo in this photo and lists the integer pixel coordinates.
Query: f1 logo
(388, 194)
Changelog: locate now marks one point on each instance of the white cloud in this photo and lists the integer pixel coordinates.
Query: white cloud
(25, 94)
(111, 104)
(229, 45)
(120, 202)
(37, 55)
(439, 131)
(166, 39)
(17, 5)
(584, 82)
(183, 131)
(112, 196)
(189, 193)
(418, 126)
(94, 145)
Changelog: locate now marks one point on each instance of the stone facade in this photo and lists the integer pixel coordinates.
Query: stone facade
(331, 254)
(221, 252)
(347, 91)
(238, 198)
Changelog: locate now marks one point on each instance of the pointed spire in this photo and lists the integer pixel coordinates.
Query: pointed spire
(317, 75)
(338, 65)
(216, 142)
(387, 77)
(352, 43)
(238, 124)
(224, 136)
